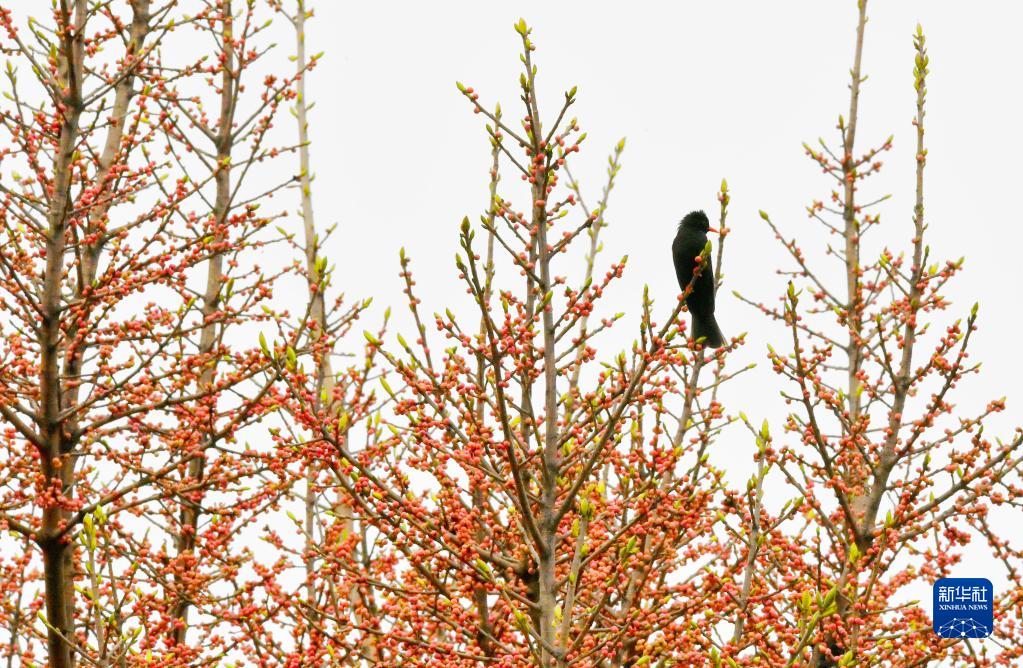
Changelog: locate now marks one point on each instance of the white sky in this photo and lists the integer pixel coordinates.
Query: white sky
(702, 91)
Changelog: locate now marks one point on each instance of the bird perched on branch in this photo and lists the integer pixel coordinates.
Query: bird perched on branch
(688, 246)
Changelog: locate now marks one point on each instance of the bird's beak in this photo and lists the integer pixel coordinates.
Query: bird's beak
(712, 229)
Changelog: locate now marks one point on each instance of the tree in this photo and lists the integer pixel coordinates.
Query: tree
(115, 364)
(896, 479)
(333, 619)
(534, 503)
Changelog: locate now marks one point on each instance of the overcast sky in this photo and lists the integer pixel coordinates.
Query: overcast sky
(702, 91)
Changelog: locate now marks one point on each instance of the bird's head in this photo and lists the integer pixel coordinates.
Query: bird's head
(697, 221)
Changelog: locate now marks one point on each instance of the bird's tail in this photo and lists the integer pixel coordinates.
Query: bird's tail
(707, 329)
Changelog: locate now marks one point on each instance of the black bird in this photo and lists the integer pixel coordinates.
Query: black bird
(689, 243)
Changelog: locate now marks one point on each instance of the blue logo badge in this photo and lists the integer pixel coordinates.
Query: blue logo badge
(963, 607)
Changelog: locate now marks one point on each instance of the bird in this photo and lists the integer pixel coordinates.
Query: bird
(689, 243)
